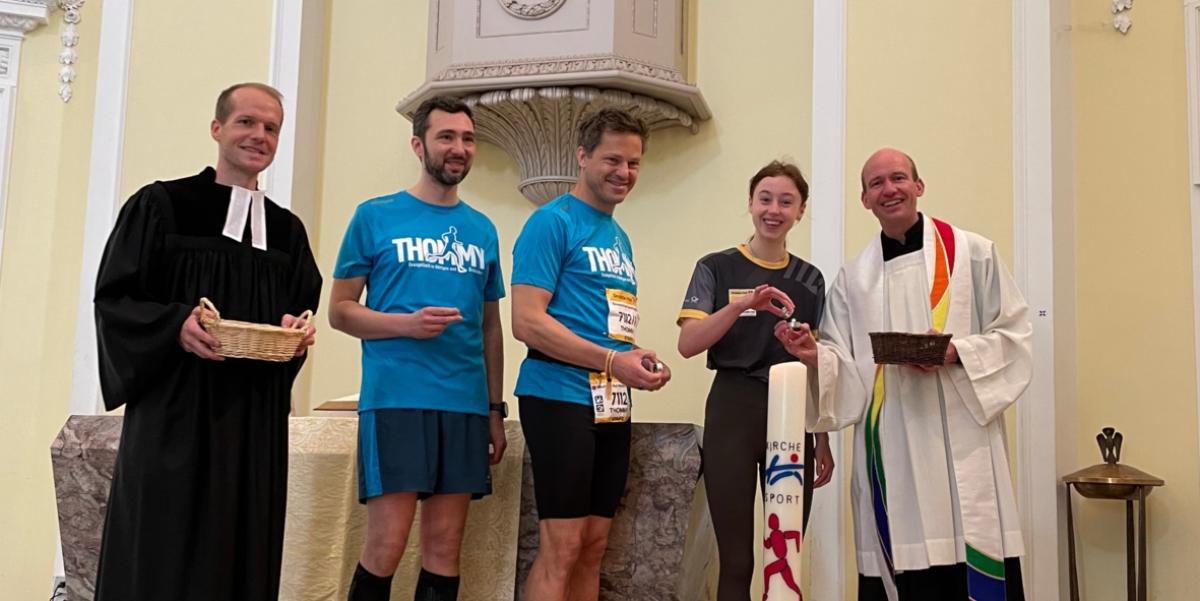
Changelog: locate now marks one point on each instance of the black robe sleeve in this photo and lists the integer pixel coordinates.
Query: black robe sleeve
(137, 332)
(305, 292)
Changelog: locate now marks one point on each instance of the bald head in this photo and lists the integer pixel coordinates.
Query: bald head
(887, 154)
(891, 189)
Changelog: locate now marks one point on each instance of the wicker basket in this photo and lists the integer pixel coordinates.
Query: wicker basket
(245, 340)
(899, 348)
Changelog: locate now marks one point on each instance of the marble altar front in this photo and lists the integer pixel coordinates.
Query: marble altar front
(662, 546)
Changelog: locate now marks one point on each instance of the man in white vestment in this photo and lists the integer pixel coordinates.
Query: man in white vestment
(934, 512)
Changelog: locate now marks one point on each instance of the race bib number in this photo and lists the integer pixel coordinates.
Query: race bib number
(609, 408)
(622, 315)
(736, 293)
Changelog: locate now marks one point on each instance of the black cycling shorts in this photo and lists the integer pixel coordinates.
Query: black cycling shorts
(579, 466)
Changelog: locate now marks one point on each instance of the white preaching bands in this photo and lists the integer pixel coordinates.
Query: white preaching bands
(243, 202)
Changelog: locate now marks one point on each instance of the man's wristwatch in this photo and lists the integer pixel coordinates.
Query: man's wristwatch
(501, 408)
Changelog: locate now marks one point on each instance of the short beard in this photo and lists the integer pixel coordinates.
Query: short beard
(438, 171)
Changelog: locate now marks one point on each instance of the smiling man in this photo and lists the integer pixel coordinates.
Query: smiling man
(199, 488)
(575, 307)
(432, 357)
(934, 511)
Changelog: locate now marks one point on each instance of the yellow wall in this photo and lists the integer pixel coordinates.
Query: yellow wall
(366, 150)
(690, 198)
(182, 55)
(1135, 338)
(933, 78)
(39, 279)
(172, 81)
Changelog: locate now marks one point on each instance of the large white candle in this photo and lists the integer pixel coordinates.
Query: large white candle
(783, 497)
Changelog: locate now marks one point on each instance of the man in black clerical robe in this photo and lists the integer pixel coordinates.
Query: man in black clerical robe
(200, 483)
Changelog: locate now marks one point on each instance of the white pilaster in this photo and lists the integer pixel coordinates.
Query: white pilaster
(17, 17)
(104, 192)
(828, 232)
(286, 30)
(1191, 23)
(1034, 165)
(297, 71)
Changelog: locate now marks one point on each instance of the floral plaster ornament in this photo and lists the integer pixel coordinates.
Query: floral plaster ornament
(70, 39)
(1122, 23)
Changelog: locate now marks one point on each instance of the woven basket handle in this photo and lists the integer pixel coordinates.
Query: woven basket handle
(208, 306)
(302, 320)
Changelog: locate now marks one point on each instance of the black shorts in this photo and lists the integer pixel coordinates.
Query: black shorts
(579, 466)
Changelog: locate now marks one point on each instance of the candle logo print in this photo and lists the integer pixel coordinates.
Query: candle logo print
(776, 541)
(776, 470)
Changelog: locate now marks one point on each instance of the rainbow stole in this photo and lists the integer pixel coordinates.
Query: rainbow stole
(985, 574)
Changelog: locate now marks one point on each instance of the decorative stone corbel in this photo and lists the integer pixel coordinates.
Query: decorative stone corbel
(1122, 20)
(537, 127)
(533, 69)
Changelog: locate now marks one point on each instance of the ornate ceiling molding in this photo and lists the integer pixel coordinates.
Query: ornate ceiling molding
(557, 66)
(22, 24)
(23, 16)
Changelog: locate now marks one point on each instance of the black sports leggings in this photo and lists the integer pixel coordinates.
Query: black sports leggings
(735, 442)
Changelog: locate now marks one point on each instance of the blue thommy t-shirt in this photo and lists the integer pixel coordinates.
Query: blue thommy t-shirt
(415, 255)
(584, 259)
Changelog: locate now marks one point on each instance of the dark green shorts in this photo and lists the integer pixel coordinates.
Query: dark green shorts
(423, 451)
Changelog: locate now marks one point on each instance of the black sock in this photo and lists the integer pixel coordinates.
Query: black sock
(432, 587)
(366, 586)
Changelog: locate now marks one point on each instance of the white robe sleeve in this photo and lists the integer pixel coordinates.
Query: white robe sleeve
(997, 363)
(837, 397)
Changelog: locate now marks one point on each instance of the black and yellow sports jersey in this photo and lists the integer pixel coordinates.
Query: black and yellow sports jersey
(750, 345)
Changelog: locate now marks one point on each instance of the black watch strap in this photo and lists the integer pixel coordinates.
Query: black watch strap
(501, 408)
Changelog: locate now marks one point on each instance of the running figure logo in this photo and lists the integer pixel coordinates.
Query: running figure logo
(614, 261)
(776, 541)
(777, 471)
(451, 250)
(444, 253)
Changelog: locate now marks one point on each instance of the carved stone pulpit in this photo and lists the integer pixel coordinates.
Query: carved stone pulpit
(533, 69)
